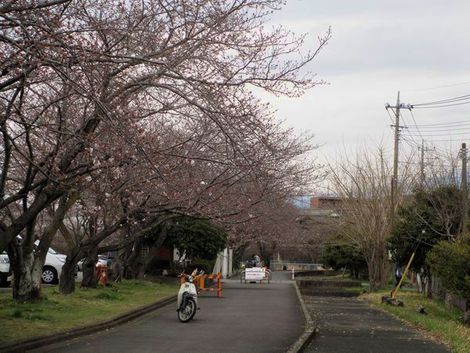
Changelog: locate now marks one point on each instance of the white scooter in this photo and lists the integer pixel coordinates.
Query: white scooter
(187, 298)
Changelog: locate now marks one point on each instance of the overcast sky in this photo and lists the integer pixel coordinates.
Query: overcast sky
(421, 48)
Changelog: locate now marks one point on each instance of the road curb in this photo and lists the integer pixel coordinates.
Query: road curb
(311, 328)
(23, 346)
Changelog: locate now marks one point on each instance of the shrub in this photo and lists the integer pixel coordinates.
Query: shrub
(108, 296)
(17, 313)
(450, 261)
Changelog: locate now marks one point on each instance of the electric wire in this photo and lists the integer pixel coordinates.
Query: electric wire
(444, 101)
(437, 134)
(450, 123)
(440, 106)
(438, 87)
(418, 129)
(390, 116)
(455, 131)
(416, 125)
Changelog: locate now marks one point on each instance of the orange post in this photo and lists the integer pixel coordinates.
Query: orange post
(202, 281)
(219, 286)
(102, 274)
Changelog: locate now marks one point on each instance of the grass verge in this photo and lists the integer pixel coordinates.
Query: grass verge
(440, 323)
(57, 312)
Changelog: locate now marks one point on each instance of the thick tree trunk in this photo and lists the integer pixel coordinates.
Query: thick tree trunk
(27, 273)
(156, 246)
(134, 264)
(27, 259)
(377, 268)
(384, 270)
(263, 252)
(371, 267)
(27, 282)
(67, 278)
(90, 279)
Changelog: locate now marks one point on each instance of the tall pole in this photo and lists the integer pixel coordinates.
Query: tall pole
(395, 154)
(422, 163)
(397, 127)
(464, 187)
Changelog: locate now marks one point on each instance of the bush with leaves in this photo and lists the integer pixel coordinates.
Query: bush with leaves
(422, 221)
(450, 261)
(197, 238)
(338, 253)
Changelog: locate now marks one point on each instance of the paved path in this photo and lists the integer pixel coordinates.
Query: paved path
(252, 318)
(348, 325)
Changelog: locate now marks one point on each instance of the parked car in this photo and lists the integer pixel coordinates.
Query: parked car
(52, 267)
(50, 271)
(5, 270)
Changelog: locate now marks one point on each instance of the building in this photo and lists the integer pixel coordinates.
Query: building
(319, 219)
(332, 203)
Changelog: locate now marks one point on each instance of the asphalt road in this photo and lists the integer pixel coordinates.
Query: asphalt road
(252, 318)
(348, 325)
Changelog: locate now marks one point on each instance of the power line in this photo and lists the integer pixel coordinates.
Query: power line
(438, 87)
(452, 140)
(444, 101)
(416, 125)
(450, 123)
(440, 106)
(428, 130)
(437, 135)
(390, 116)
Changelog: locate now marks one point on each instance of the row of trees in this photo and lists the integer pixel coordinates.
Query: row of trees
(430, 226)
(118, 117)
(426, 220)
(366, 215)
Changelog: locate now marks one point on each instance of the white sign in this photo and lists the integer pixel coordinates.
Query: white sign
(254, 274)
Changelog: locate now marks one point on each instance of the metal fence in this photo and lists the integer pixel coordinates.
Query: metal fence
(277, 265)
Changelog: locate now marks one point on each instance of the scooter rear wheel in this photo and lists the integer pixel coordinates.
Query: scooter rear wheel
(187, 312)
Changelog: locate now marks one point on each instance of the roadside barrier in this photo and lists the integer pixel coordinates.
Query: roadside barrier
(200, 282)
(255, 274)
(102, 274)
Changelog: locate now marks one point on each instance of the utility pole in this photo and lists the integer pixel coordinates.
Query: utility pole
(464, 187)
(423, 150)
(397, 127)
(422, 163)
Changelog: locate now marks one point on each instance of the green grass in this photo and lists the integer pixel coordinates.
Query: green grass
(357, 289)
(441, 323)
(57, 312)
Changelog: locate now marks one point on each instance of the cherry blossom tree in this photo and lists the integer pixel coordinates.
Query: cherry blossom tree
(75, 75)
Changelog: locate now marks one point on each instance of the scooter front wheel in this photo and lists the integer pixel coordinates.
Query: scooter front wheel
(187, 311)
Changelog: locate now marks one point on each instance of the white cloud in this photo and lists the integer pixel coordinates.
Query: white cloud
(378, 48)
